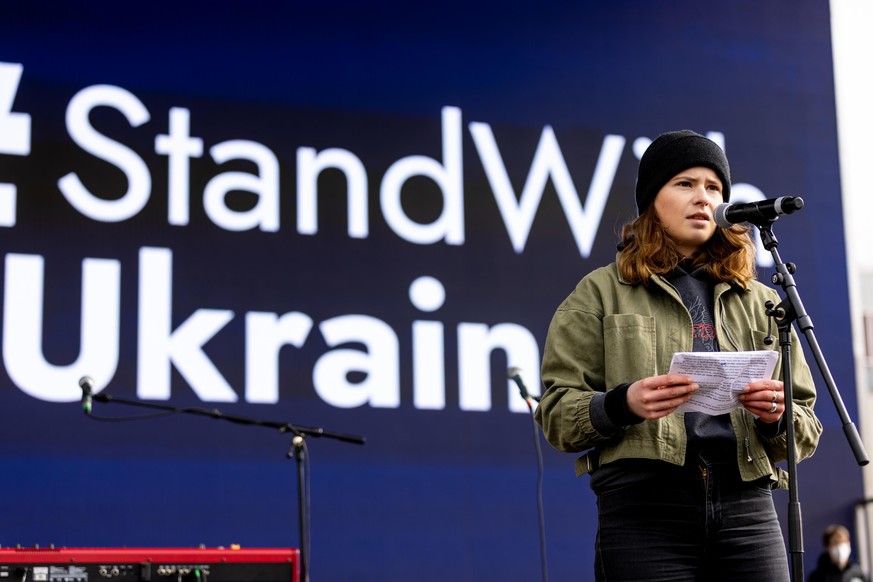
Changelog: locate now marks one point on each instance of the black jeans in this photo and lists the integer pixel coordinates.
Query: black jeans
(700, 522)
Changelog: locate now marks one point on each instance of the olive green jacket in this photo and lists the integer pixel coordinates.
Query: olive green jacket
(609, 332)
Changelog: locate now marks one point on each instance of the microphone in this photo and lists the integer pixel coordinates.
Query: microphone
(515, 374)
(758, 213)
(86, 383)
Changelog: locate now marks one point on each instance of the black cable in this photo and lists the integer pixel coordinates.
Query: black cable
(134, 417)
(540, 509)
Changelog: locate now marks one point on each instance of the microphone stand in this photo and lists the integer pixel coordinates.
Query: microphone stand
(789, 310)
(298, 451)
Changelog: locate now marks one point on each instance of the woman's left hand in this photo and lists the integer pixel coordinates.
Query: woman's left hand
(765, 399)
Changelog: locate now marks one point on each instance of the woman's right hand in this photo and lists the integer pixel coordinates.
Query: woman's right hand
(658, 396)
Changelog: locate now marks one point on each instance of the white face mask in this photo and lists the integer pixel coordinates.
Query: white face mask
(840, 553)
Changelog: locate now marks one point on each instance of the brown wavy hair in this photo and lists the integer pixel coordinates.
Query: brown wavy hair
(646, 250)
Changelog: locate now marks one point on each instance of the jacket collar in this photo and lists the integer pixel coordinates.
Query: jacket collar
(719, 287)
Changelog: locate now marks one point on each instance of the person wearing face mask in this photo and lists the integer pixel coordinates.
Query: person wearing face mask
(680, 496)
(833, 564)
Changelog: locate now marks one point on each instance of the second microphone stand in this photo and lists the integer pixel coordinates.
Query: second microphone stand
(298, 451)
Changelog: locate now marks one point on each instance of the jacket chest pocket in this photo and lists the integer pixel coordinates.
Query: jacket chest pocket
(629, 342)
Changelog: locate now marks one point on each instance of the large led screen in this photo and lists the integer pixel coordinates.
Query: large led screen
(355, 217)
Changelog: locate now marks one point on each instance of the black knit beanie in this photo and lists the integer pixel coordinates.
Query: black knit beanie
(673, 152)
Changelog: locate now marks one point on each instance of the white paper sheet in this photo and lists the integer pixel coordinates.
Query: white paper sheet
(721, 376)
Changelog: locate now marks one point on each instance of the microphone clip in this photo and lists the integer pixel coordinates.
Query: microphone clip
(86, 383)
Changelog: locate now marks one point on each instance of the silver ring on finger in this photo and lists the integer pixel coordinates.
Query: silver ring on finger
(773, 408)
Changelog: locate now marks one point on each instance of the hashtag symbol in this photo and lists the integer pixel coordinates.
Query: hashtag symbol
(14, 135)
